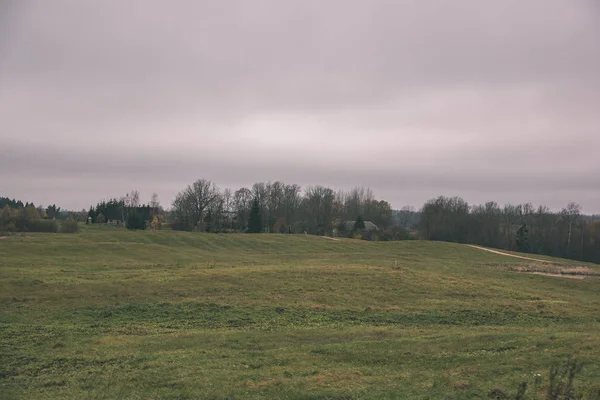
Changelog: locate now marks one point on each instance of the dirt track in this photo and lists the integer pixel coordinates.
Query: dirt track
(546, 268)
(509, 255)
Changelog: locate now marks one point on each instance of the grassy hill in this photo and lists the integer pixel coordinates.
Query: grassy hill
(108, 314)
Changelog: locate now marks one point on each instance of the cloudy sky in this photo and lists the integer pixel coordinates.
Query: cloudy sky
(489, 100)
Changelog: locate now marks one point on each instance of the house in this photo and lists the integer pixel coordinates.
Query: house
(114, 222)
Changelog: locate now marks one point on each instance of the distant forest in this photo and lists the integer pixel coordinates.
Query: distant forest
(276, 207)
(16, 216)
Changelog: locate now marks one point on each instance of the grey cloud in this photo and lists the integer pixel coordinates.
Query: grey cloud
(482, 99)
(91, 177)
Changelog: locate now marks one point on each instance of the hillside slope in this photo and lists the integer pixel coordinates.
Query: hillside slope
(168, 315)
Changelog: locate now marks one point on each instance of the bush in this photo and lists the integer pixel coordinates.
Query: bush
(42, 225)
(155, 224)
(179, 226)
(70, 225)
(561, 385)
(372, 236)
(395, 234)
(9, 227)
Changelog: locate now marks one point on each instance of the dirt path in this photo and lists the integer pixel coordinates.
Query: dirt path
(545, 267)
(508, 254)
(330, 238)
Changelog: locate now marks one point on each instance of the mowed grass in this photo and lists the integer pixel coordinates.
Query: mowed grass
(111, 314)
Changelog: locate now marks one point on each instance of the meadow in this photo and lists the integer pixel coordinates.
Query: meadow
(114, 314)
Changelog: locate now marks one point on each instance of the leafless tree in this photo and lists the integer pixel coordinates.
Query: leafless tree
(354, 201)
(154, 203)
(227, 200)
(189, 205)
(509, 213)
(242, 203)
(133, 198)
(405, 216)
(571, 216)
(291, 204)
(260, 192)
(318, 206)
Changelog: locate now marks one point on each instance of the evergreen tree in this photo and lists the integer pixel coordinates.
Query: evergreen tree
(11, 203)
(52, 211)
(135, 220)
(359, 223)
(523, 239)
(255, 219)
(92, 213)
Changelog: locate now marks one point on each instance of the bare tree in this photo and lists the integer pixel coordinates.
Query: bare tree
(154, 203)
(291, 204)
(571, 216)
(215, 214)
(242, 203)
(227, 209)
(485, 222)
(318, 210)
(134, 198)
(405, 216)
(275, 202)
(227, 200)
(354, 201)
(509, 212)
(189, 205)
(261, 193)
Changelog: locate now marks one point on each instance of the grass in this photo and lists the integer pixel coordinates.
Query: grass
(108, 314)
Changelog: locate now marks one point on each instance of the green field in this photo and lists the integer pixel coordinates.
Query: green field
(112, 314)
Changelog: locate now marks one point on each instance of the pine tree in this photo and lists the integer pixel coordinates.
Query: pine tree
(92, 213)
(359, 223)
(523, 239)
(255, 219)
(135, 220)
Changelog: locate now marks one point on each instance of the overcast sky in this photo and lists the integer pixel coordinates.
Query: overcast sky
(488, 100)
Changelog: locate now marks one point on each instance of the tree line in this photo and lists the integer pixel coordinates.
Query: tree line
(277, 207)
(521, 227)
(16, 216)
(128, 211)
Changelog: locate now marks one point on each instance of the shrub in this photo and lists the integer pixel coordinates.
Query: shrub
(155, 224)
(179, 226)
(9, 227)
(394, 234)
(561, 385)
(42, 225)
(371, 236)
(70, 225)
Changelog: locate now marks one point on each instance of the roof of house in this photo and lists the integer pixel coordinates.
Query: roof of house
(369, 226)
